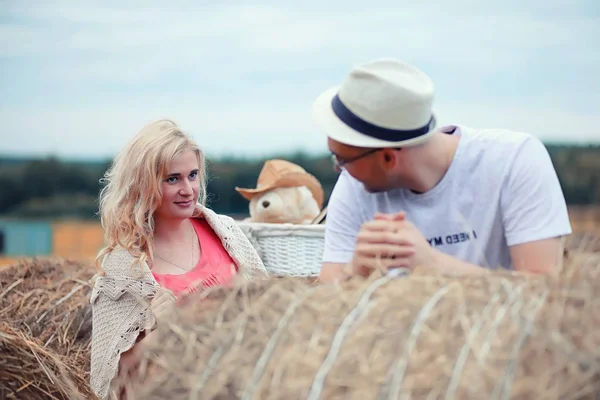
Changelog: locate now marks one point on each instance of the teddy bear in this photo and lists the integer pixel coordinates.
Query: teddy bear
(294, 205)
(285, 193)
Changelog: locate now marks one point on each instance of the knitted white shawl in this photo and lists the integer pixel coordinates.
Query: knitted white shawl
(120, 298)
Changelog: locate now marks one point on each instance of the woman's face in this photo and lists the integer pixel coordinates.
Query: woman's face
(181, 187)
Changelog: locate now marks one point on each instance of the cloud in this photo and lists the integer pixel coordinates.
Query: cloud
(88, 132)
(231, 68)
(547, 124)
(252, 129)
(440, 34)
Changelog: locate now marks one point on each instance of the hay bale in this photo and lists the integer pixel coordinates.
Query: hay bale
(45, 333)
(501, 335)
(583, 241)
(28, 370)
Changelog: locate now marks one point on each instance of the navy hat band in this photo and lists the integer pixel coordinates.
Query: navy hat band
(366, 128)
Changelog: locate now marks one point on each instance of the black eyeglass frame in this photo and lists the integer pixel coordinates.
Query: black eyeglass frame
(340, 164)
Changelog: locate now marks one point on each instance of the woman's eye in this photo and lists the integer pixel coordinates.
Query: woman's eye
(193, 174)
(171, 179)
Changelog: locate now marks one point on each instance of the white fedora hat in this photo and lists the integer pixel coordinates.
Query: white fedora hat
(383, 103)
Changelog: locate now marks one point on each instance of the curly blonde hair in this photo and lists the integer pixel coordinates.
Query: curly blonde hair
(132, 190)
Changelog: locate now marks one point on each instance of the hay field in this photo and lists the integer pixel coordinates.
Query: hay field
(499, 336)
(416, 337)
(45, 329)
(585, 219)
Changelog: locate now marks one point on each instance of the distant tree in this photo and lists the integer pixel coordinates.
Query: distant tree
(47, 187)
(13, 190)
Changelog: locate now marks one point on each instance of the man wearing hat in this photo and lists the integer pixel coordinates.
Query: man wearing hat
(453, 199)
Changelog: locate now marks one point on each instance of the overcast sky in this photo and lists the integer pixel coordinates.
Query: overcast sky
(79, 80)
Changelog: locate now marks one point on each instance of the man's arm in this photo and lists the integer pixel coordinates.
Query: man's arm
(331, 272)
(342, 226)
(534, 211)
(539, 257)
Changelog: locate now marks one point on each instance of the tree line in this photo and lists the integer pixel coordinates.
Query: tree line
(54, 188)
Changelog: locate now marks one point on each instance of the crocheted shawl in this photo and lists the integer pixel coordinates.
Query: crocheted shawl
(121, 296)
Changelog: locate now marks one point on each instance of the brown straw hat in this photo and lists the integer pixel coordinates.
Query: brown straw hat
(282, 173)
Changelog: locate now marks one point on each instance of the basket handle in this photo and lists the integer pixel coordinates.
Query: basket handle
(320, 218)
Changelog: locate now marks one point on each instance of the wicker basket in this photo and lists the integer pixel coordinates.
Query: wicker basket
(288, 249)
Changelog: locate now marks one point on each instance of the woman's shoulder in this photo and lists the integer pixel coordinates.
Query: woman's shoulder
(220, 223)
(119, 261)
(205, 212)
(116, 256)
(234, 240)
(120, 274)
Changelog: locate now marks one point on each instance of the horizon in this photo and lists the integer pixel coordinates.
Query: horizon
(78, 80)
(238, 157)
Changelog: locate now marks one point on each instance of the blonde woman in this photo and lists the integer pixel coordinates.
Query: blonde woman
(161, 242)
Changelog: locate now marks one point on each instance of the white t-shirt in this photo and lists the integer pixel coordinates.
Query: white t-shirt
(500, 190)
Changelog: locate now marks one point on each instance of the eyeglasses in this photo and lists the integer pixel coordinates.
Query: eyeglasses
(339, 163)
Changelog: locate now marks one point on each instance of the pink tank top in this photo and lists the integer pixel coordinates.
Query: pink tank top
(215, 267)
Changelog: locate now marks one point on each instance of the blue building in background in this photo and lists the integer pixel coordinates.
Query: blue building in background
(25, 238)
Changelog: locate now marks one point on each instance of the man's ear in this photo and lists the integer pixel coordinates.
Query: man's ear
(389, 157)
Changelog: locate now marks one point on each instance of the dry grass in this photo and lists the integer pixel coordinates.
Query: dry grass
(499, 336)
(584, 242)
(46, 330)
(287, 338)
